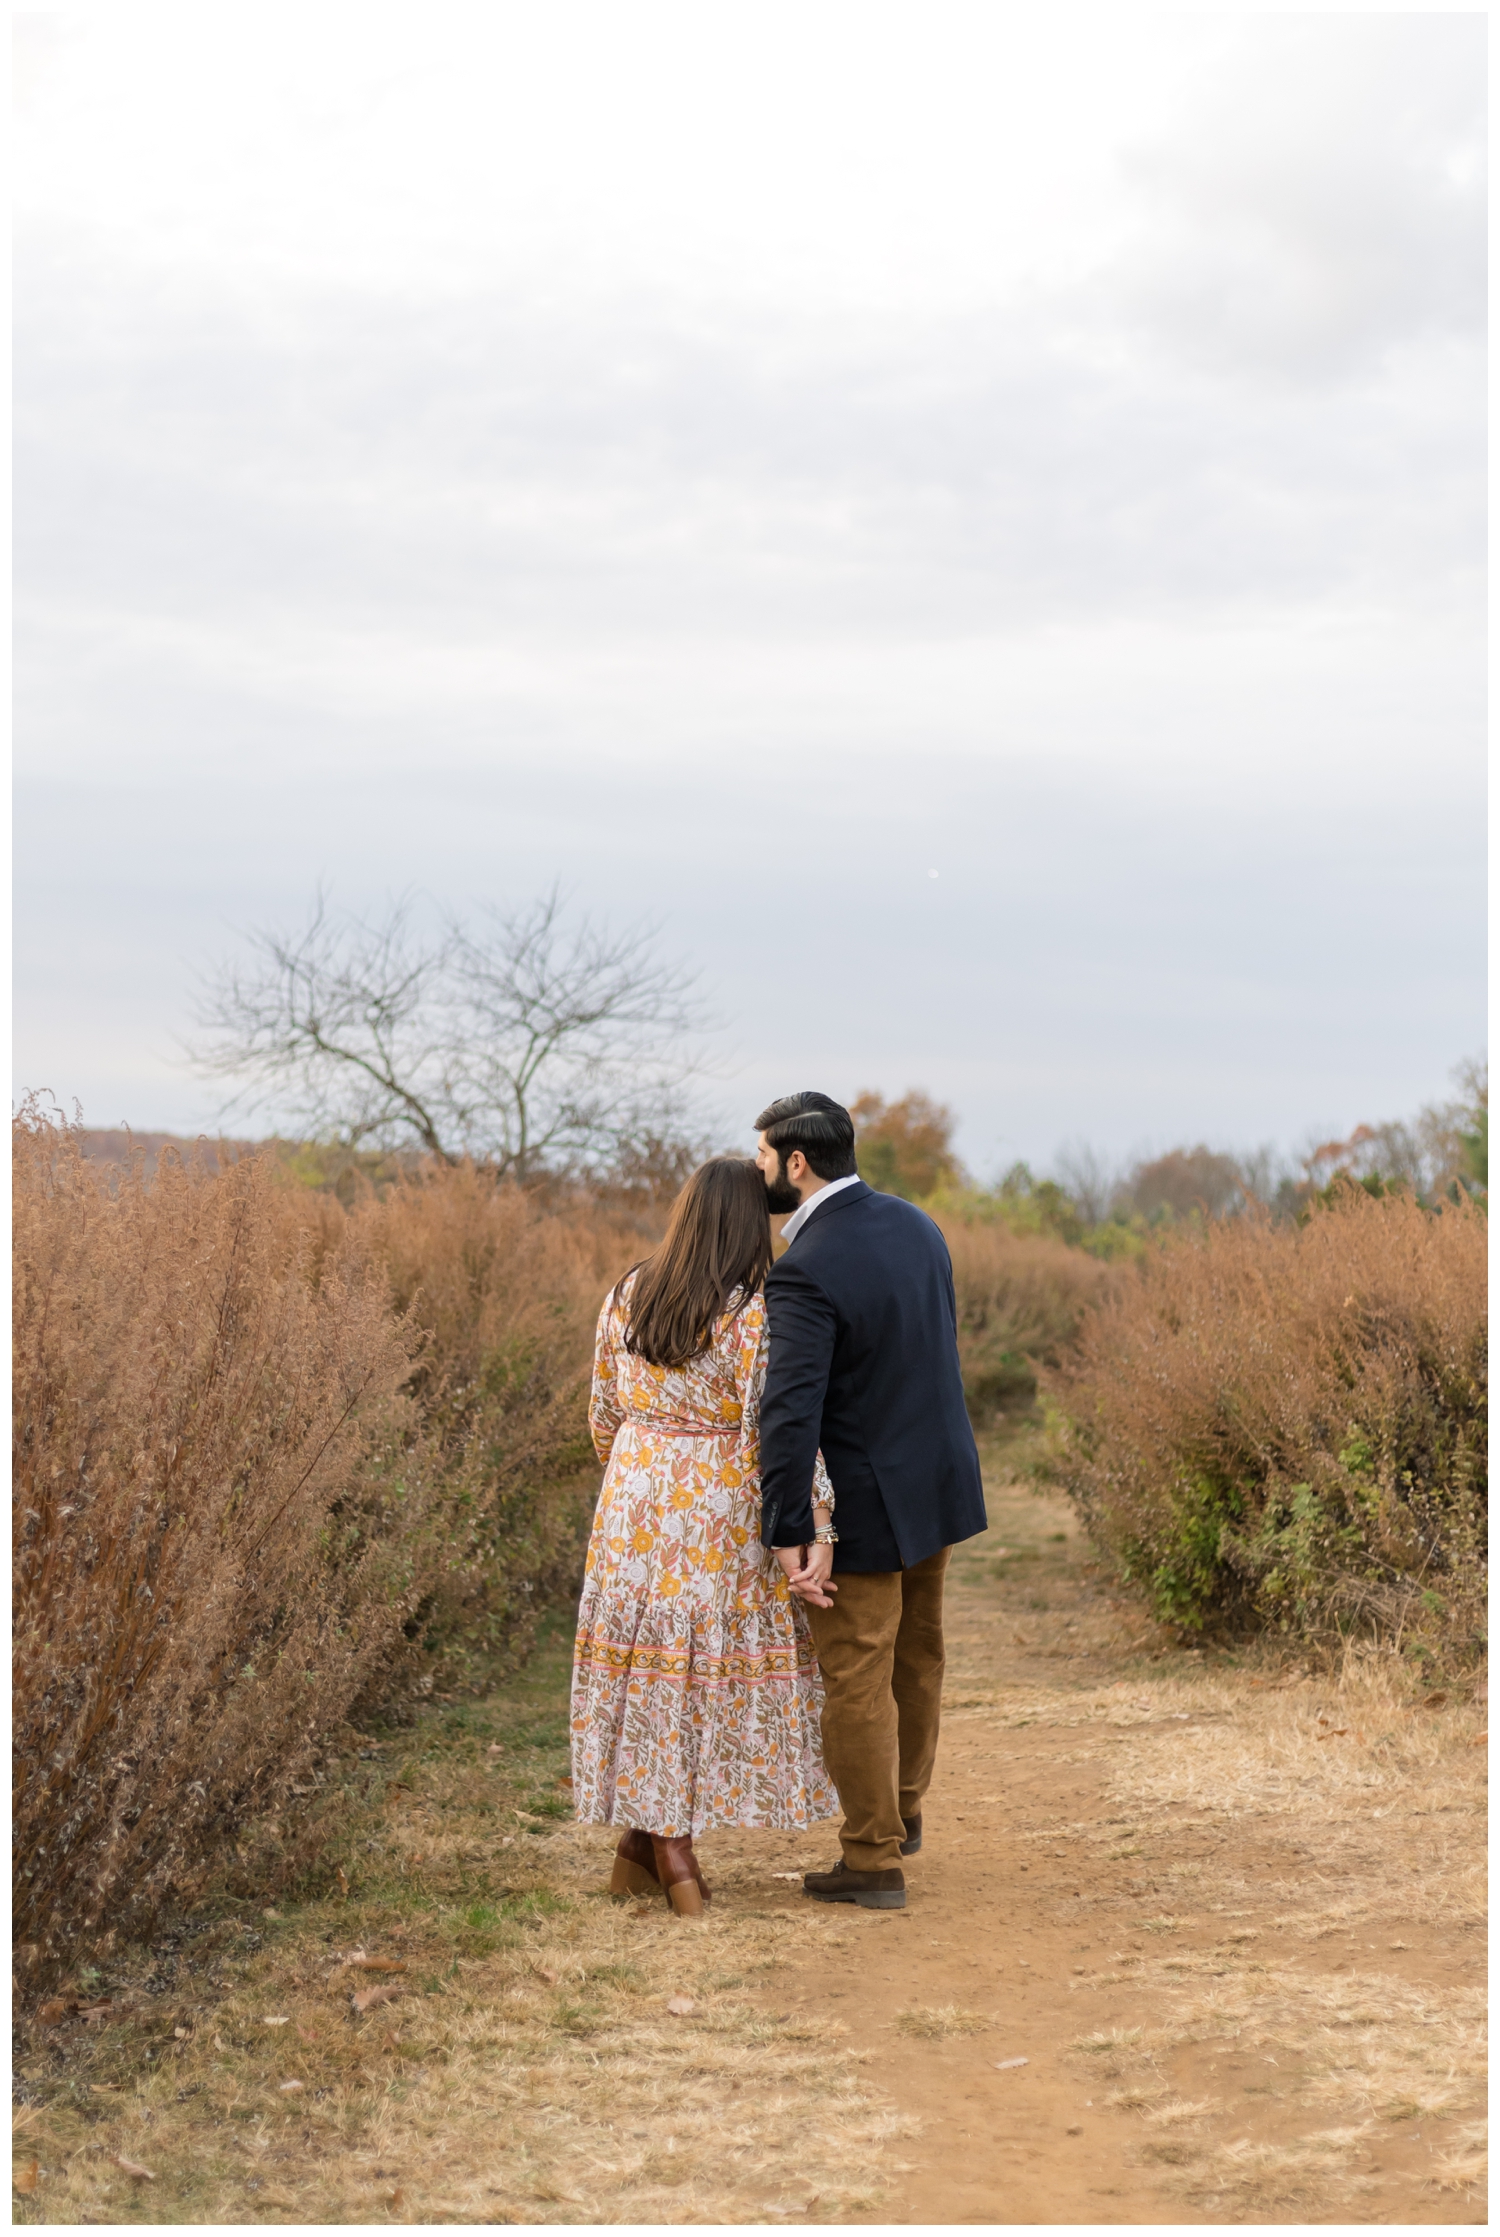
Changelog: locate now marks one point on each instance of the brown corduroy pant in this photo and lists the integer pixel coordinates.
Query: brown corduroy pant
(880, 1647)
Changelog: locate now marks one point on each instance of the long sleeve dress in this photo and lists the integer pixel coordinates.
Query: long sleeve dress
(696, 1694)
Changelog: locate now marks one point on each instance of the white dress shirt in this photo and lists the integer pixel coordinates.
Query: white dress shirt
(810, 1204)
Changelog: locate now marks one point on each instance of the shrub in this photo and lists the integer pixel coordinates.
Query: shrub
(506, 1288)
(1286, 1425)
(273, 1456)
(1019, 1298)
(218, 1532)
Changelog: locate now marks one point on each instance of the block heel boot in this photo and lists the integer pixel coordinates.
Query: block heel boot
(635, 1870)
(677, 1870)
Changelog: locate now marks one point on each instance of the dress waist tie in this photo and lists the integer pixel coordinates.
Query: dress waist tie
(679, 1425)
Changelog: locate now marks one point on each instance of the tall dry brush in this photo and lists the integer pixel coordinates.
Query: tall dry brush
(1286, 1425)
(506, 1288)
(218, 1532)
(1019, 1298)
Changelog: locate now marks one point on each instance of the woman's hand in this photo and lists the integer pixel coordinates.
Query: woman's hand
(809, 1573)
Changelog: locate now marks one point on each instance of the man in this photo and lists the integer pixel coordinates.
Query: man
(864, 1363)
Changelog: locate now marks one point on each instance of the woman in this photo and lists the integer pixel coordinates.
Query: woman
(696, 1695)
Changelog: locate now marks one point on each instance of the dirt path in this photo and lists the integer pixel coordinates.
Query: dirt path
(1229, 1917)
(1265, 1931)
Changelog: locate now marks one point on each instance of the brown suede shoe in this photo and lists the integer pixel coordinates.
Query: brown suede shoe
(913, 1841)
(872, 1891)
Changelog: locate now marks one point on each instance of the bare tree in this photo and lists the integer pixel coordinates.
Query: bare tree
(1089, 1178)
(528, 1040)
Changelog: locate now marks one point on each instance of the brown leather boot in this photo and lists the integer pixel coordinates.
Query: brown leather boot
(913, 1829)
(635, 1866)
(872, 1891)
(677, 1870)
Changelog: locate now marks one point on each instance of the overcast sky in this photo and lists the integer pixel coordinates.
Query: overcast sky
(972, 521)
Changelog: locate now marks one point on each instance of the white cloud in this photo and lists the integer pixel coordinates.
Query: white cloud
(1323, 205)
(508, 442)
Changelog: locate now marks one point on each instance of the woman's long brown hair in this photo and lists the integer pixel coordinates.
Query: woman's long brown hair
(717, 1249)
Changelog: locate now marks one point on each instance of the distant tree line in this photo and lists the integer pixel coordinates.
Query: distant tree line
(906, 1148)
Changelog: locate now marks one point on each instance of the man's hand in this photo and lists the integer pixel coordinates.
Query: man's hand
(809, 1572)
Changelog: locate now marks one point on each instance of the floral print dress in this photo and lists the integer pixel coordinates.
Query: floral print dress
(696, 1694)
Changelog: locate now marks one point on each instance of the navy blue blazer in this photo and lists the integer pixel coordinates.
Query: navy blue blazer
(864, 1362)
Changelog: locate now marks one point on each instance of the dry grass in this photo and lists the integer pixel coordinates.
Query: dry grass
(529, 2072)
(1286, 1426)
(1294, 1976)
(506, 1290)
(216, 1542)
(277, 1462)
(934, 2022)
(1019, 1300)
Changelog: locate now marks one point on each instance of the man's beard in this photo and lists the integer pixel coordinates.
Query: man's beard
(780, 1194)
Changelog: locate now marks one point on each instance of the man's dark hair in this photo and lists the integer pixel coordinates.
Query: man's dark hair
(817, 1126)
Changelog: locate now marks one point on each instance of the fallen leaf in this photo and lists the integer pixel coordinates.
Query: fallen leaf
(1479, 1743)
(367, 1998)
(182, 2034)
(379, 1964)
(94, 2015)
(133, 2167)
(680, 2006)
(494, 1748)
(545, 1973)
(56, 2010)
(308, 2034)
(270, 1914)
(398, 2197)
(343, 1879)
(1434, 1700)
(220, 2044)
(287, 2088)
(1335, 1732)
(279, 2019)
(25, 2177)
(1003, 2065)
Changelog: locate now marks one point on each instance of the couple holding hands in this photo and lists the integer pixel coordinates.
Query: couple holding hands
(788, 1463)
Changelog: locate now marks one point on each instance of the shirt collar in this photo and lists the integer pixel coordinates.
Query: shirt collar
(804, 1212)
